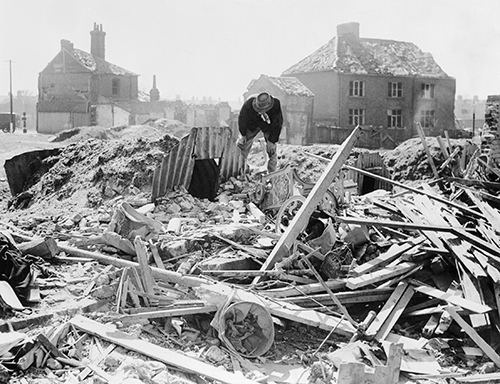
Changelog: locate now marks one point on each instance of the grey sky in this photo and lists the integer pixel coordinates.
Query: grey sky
(214, 48)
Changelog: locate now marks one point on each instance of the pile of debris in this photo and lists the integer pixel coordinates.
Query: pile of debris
(83, 173)
(287, 285)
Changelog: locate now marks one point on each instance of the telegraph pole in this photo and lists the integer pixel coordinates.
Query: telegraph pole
(12, 122)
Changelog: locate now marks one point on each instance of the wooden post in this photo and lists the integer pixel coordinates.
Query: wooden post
(427, 151)
(300, 220)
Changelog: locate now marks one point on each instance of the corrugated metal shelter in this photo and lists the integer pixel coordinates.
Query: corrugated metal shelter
(177, 165)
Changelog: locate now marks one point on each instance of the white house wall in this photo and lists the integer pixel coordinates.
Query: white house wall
(53, 122)
(109, 115)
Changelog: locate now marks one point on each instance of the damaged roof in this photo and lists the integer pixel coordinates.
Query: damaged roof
(289, 85)
(98, 65)
(369, 56)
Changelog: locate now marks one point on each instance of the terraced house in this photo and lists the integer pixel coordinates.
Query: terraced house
(383, 83)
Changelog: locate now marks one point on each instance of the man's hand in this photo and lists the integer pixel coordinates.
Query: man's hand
(240, 143)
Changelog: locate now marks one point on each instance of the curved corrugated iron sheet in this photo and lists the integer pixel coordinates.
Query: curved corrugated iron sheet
(176, 168)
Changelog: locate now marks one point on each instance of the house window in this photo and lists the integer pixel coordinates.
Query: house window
(357, 88)
(427, 118)
(427, 91)
(356, 116)
(115, 87)
(395, 89)
(394, 118)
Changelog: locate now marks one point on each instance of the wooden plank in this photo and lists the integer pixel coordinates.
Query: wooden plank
(301, 219)
(337, 302)
(390, 312)
(277, 308)
(303, 289)
(175, 312)
(426, 149)
(95, 362)
(351, 297)
(418, 219)
(449, 298)
(386, 310)
(380, 275)
(145, 269)
(471, 182)
(471, 291)
(487, 210)
(394, 224)
(396, 313)
(485, 347)
(156, 255)
(491, 271)
(167, 356)
(387, 257)
(443, 148)
(492, 251)
(460, 207)
(461, 251)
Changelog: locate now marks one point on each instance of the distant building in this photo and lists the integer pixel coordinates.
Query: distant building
(469, 112)
(296, 104)
(78, 88)
(208, 115)
(376, 82)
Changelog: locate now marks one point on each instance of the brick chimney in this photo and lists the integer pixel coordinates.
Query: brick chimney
(154, 93)
(348, 30)
(66, 44)
(97, 45)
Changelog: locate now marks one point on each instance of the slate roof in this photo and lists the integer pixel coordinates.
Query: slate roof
(369, 56)
(98, 65)
(289, 85)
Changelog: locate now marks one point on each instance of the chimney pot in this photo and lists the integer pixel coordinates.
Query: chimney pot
(66, 44)
(348, 30)
(97, 41)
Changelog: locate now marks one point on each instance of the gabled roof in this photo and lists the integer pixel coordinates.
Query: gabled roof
(369, 56)
(288, 85)
(98, 65)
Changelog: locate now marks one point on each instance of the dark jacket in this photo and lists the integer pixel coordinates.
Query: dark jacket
(250, 121)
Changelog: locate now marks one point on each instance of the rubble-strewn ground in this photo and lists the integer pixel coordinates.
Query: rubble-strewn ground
(98, 172)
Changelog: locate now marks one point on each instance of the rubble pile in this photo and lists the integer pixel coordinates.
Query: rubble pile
(89, 171)
(408, 161)
(387, 287)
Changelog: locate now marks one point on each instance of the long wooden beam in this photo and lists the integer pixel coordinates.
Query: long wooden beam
(301, 219)
(167, 356)
(394, 224)
(407, 187)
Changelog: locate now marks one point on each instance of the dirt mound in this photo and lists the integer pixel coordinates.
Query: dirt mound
(155, 130)
(81, 133)
(408, 161)
(172, 127)
(87, 172)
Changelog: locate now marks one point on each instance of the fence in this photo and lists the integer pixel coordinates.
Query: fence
(380, 137)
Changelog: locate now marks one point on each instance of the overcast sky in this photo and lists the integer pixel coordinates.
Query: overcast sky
(215, 47)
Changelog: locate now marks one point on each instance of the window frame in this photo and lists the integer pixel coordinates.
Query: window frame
(427, 118)
(357, 88)
(356, 116)
(115, 86)
(395, 118)
(427, 93)
(395, 89)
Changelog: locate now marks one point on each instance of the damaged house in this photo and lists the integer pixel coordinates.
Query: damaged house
(78, 88)
(383, 83)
